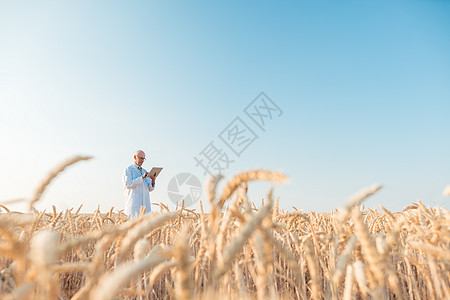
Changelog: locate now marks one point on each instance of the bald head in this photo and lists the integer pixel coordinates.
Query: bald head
(139, 157)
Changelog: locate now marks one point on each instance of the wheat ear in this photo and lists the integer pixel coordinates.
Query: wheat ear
(181, 253)
(146, 225)
(111, 283)
(51, 175)
(234, 183)
(356, 200)
(342, 261)
(446, 191)
(236, 244)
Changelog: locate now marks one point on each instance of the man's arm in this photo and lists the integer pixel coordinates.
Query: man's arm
(129, 181)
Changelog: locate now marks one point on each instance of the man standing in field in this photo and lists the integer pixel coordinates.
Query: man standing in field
(137, 186)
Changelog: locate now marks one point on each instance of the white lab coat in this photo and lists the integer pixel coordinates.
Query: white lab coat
(136, 190)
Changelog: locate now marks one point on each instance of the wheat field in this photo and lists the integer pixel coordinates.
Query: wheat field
(237, 250)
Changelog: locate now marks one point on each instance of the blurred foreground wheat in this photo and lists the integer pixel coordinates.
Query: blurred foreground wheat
(240, 251)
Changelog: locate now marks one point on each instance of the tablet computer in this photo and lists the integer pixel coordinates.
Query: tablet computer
(154, 171)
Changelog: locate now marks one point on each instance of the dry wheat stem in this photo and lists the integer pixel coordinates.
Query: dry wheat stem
(146, 224)
(356, 200)
(181, 254)
(111, 283)
(21, 292)
(211, 187)
(343, 260)
(237, 243)
(234, 183)
(244, 252)
(51, 175)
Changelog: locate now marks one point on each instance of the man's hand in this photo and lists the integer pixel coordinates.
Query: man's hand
(144, 175)
(153, 178)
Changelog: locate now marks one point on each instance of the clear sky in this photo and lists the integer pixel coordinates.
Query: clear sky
(364, 88)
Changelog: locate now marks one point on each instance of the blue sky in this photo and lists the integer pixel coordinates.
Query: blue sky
(364, 88)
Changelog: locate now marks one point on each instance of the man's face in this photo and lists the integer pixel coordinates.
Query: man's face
(139, 158)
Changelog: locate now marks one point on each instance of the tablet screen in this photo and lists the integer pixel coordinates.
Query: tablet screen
(155, 171)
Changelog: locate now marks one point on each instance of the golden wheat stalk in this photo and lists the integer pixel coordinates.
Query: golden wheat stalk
(181, 253)
(360, 277)
(244, 252)
(111, 283)
(146, 224)
(237, 243)
(234, 183)
(51, 175)
(211, 187)
(442, 254)
(368, 249)
(348, 286)
(313, 267)
(356, 200)
(21, 292)
(446, 191)
(161, 269)
(343, 260)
